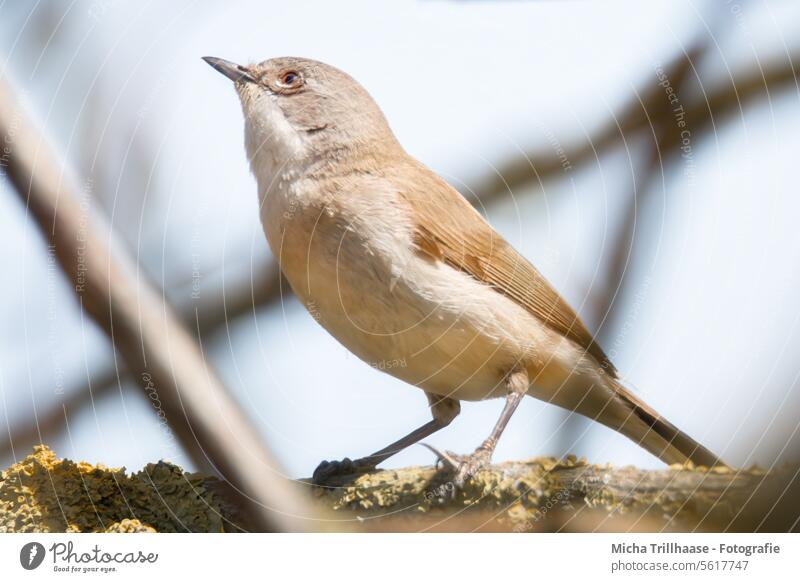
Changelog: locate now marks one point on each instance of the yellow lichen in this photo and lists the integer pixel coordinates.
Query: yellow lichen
(45, 494)
(129, 526)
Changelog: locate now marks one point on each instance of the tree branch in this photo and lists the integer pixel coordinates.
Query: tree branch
(545, 494)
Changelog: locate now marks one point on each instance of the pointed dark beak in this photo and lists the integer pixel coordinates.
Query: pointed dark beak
(231, 70)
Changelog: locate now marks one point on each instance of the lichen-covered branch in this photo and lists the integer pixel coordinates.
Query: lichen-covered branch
(45, 494)
(545, 494)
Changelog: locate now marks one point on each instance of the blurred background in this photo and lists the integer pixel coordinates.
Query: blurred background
(643, 155)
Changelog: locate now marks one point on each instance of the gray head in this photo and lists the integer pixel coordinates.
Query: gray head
(298, 110)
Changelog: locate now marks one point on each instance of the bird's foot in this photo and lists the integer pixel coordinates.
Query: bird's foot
(327, 470)
(464, 467)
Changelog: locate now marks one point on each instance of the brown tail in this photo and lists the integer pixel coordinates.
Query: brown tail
(660, 437)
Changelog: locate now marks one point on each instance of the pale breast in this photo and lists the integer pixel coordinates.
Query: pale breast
(349, 258)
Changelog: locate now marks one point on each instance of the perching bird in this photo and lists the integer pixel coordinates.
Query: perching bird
(399, 267)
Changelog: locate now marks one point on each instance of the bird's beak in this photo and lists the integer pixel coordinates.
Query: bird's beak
(231, 70)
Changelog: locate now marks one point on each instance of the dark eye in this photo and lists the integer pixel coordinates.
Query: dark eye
(290, 79)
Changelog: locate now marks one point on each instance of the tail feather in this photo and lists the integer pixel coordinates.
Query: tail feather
(670, 443)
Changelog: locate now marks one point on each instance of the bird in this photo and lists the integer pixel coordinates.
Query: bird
(402, 270)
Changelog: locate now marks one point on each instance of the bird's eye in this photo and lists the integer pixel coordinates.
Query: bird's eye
(290, 79)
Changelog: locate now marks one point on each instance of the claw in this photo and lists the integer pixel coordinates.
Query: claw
(444, 457)
(328, 469)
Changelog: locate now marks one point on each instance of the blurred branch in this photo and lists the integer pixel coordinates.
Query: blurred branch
(143, 329)
(51, 420)
(206, 316)
(723, 100)
(663, 142)
(232, 302)
(678, 120)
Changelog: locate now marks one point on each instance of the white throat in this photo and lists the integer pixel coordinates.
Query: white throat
(275, 149)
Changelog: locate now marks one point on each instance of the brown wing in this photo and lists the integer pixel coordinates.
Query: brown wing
(451, 230)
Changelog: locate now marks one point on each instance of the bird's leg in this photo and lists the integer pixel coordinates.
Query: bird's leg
(465, 466)
(444, 410)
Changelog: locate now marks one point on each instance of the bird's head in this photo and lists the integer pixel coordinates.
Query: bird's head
(300, 110)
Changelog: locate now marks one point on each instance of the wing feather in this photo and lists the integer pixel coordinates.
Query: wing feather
(449, 229)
